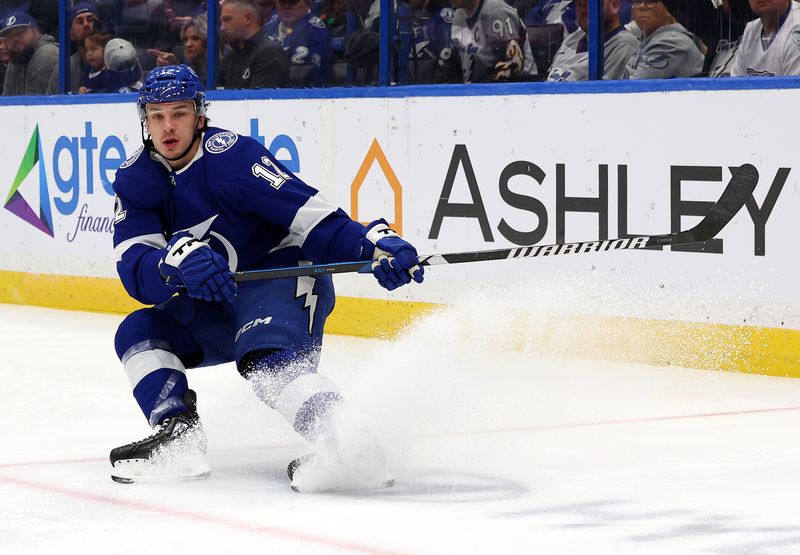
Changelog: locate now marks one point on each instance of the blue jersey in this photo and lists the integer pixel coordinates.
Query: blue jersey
(432, 33)
(107, 81)
(307, 43)
(235, 196)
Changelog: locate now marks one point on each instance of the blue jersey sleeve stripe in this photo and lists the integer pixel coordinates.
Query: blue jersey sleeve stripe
(155, 240)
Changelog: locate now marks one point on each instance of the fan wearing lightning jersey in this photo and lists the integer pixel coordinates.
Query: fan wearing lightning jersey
(491, 41)
(770, 44)
(667, 49)
(431, 51)
(306, 41)
(193, 205)
(571, 62)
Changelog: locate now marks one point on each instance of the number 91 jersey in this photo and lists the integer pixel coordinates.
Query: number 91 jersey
(235, 196)
(489, 36)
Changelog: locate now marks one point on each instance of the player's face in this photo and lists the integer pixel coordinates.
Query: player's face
(194, 45)
(3, 51)
(650, 15)
(82, 25)
(94, 54)
(172, 126)
(764, 7)
(291, 11)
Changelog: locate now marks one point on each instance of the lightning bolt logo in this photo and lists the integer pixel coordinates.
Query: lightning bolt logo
(201, 231)
(305, 288)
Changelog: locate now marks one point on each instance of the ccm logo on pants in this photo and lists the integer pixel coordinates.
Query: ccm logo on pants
(251, 324)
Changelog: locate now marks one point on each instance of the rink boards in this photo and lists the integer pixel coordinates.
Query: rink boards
(463, 173)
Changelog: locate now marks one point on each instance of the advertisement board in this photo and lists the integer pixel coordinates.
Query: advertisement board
(463, 174)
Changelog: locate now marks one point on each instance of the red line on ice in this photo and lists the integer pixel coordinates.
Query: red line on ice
(611, 422)
(484, 432)
(197, 517)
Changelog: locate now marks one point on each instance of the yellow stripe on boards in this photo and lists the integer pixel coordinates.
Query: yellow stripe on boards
(352, 316)
(749, 349)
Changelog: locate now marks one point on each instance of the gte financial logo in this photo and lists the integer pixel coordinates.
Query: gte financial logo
(74, 166)
(29, 197)
(16, 203)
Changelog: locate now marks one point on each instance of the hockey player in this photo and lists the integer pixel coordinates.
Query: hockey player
(193, 204)
(770, 44)
(491, 42)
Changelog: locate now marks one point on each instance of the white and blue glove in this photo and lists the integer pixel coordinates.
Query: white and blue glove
(191, 264)
(395, 260)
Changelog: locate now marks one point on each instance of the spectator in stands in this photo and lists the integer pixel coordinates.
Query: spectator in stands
(84, 19)
(491, 42)
(33, 56)
(4, 58)
(666, 48)
(770, 44)
(254, 61)
(431, 51)
(113, 63)
(571, 62)
(95, 78)
(306, 41)
(194, 36)
(168, 18)
(548, 12)
(267, 10)
(122, 61)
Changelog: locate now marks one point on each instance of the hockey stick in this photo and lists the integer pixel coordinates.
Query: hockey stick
(739, 189)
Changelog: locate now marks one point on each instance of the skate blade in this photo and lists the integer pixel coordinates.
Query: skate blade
(135, 472)
(341, 488)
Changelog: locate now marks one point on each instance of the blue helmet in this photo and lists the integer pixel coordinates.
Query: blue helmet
(172, 84)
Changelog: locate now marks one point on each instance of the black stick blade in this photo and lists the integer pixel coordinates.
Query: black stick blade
(740, 188)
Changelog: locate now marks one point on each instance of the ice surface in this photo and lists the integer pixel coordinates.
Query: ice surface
(494, 449)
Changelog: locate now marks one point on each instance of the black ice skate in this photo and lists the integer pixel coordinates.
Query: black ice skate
(174, 452)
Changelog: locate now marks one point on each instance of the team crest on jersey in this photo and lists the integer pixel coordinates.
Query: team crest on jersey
(447, 15)
(316, 22)
(657, 61)
(132, 159)
(220, 142)
(796, 36)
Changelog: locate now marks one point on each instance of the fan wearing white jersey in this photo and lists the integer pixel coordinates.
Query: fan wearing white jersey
(770, 44)
(571, 62)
